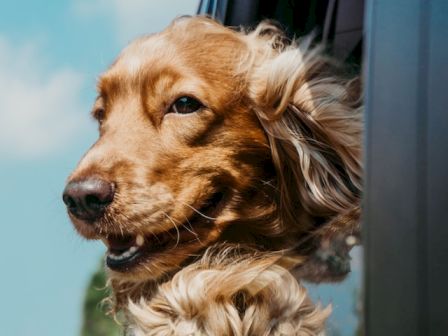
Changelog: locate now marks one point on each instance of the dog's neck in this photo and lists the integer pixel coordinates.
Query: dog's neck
(122, 291)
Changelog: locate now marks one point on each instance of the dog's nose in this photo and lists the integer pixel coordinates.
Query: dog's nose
(87, 199)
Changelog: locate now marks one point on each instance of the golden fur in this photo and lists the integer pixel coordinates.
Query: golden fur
(273, 157)
(228, 293)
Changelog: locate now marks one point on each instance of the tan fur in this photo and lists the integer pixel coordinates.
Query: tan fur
(279, 139)
(229, 293)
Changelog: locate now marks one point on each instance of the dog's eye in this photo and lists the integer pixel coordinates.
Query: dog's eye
(98, 114)
(185, 105)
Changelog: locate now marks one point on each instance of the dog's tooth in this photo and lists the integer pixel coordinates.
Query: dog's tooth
(114, 257)
(139, 240)
(126, 254)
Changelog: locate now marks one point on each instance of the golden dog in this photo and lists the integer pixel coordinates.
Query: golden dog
(211, 135)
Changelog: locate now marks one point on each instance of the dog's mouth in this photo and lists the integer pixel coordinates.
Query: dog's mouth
(126, 251)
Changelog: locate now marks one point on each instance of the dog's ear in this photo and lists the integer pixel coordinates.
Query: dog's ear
(314, 124)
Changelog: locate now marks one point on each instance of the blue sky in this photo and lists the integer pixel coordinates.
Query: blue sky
(50, 56)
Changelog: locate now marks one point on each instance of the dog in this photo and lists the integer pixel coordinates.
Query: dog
(211, 135)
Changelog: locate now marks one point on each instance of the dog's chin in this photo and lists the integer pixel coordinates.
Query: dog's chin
(152, 255)
(147, 262)
(136, 258)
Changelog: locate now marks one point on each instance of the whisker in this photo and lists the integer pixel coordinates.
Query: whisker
(120, 225)
(177, 229)
(147, 268)
(189, 227)
(192, 230)
(197, 211)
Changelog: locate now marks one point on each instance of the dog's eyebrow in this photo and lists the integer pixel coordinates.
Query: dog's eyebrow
(108, 86)
(102, 86)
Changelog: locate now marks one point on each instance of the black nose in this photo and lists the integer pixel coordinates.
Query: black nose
(87, 199)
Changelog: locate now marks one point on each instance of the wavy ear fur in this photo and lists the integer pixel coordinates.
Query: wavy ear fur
(313, 121)
(229, 293)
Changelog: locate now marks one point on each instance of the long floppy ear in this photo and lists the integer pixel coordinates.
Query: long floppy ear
(314, 124)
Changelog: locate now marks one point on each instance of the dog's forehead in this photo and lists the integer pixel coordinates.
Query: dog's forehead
(190, 48)
(143, 61)
(151, 49)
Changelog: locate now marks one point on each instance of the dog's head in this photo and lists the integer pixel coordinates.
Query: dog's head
(207, 134)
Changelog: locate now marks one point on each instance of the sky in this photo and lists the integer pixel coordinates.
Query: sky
(51, 54)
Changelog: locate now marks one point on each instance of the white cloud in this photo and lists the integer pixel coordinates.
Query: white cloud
(132, 18)
(40, 110)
